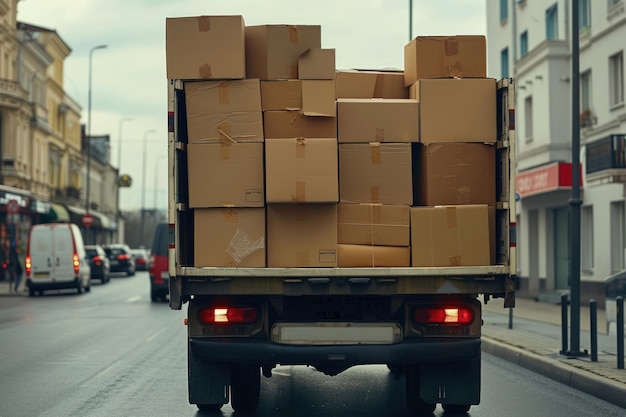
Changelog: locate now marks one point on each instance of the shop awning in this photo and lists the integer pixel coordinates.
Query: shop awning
(59, 213)
(552, 177)
(77, 213)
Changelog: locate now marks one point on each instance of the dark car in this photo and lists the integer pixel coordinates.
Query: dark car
(141, 259)
(158, 263)
(99, 263)
(120, 258)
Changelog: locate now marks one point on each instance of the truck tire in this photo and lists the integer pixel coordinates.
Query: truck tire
(414, 402)
(209, 407)
(245, 387)
(456, 408)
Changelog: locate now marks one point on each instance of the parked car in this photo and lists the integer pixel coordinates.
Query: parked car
(158, 263)
(99, 263)
(63, 243)
(141, 259)
(120, 258)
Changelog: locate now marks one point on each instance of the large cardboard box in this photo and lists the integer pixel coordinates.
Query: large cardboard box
(377, 120)
(229, 237)
(272, 51)
(301, 170)
(363, 256)
(375, 173)
(205, 47)
(224, 111)
(454, 173)
(312, 97)
(444, 57)
(318, 98)
(370, 84)
(317, 64)
(373, 224)
(225, 175)
(469, 103)
(302, 235)
(294, 124)
(450, 236)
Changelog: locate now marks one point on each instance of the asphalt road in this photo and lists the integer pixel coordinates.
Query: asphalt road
(112, 352)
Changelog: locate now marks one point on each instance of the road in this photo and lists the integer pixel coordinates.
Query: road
(112, 352)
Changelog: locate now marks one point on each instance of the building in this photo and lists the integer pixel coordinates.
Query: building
(531, 41)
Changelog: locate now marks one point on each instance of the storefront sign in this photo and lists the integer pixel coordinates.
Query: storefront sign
(547, 178)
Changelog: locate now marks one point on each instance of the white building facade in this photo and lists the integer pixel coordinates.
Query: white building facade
(530, 40)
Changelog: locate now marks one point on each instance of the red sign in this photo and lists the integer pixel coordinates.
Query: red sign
(13, 207)
(87, 220)
(548, 178)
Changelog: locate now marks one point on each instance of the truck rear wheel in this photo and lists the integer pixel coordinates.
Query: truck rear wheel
(209, 407)
(456, 408)
(245, 387)
(414, 402)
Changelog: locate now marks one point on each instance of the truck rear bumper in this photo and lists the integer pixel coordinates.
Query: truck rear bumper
(263, 352)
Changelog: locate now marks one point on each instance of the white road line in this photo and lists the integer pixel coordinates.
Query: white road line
(133, 299)
(151, 338)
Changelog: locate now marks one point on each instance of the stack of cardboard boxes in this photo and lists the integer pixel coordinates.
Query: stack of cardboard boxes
(294, 164)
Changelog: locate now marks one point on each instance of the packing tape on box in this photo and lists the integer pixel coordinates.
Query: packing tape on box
(375, 153)
(293, 71)
(300, 196)
(300, 147)
(380, 134)
(293, 34)
(204, 23)
(223, 93)
(451, 47)
(454, 260)
(242, 245)
(374, 194)
(204, 71)
(225, 151)
(230, 215)
(225, 131)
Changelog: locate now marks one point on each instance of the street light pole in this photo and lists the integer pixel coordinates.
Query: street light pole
(88, 133)
(143, 187)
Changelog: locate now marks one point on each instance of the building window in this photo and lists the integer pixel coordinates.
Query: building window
(584, 14)
(614, 3)
(504, 63)
(586, 235)
(504, 10)
(528, 118)
(552, 22)
(616, 79)
(618, 236)
(523, 43)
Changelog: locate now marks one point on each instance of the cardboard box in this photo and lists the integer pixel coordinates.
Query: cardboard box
(375, 173)
(302, 235)
(301, 170)
(318, 98)
(454, 173)
(444, 57)
(312, 97)
(377, 120)
(229, 237)
(272, 51)
(205, 47)
(450, 236)
(469, 103)
(363, 256)
(225, 175)
(224, 111)
(294, 124)
(281, 95)
(370, 84)
(373, 224)
(317, 64)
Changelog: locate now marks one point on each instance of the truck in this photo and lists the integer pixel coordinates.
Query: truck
(423, 323)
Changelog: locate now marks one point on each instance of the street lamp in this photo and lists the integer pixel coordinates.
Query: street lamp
(88, 133)
(143, 186)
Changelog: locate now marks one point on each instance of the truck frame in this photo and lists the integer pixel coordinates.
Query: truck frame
(423, 323)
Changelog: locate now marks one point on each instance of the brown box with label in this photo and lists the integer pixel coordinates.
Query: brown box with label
(445, 57)
(301, 170)
(272, 51)
(301, 235)
(377, 120)
(205, 47)
(373, 224)
(224, 111)
(317, 64)
(229, 237)
(294, 124)
(225, 175)
(456, 110)
(370, 84)
(450, 236)
(364, 256)
(454, 173)
(375, 173)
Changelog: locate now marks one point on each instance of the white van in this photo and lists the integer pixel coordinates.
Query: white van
(56, 259)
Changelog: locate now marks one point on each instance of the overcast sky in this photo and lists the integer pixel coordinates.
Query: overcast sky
(129, 80)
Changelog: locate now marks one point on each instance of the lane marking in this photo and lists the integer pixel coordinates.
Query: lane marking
(133, 299)
(151, 338)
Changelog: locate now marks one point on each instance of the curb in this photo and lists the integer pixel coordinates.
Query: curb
(605, 389)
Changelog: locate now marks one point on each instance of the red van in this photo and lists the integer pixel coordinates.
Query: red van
(158, 264)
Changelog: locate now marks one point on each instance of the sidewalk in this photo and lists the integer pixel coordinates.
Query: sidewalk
(535, 341)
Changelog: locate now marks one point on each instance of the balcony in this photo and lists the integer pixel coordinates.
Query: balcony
(606, 159)
(11, 94)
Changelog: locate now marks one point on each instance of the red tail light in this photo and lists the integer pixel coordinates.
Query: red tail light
(97, 260)
(123, 257)
(76, 263)
(444, 315)
(28, 263)
(224, 315)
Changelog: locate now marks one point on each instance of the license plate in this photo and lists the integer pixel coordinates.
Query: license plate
(114, 263)
(40, 275)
